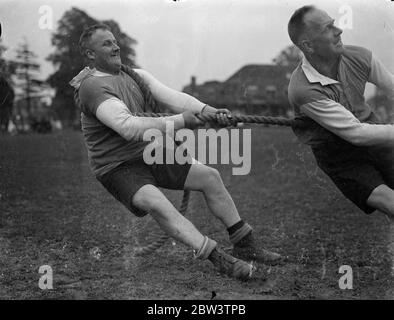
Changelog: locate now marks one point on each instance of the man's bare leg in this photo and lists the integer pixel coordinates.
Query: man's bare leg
(208, 181)
(150, 199)
(382, 198)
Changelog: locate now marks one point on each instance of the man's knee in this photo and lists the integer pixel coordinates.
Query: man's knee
(203, 178)
(382, 198)
(210, 178)
(148, 198)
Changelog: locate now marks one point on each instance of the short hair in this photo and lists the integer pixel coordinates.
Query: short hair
(87, 34)
(296, 24)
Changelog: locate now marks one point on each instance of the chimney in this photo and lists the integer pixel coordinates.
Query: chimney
(193, 84)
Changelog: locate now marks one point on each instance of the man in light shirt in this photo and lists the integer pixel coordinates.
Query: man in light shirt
(327, 93)
(108, 94)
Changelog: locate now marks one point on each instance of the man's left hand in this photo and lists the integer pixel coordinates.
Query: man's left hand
(223, 116)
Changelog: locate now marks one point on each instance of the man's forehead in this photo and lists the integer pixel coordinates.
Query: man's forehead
(102, 35)
(316, 18)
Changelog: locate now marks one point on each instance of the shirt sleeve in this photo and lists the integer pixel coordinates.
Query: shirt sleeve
(340, 121)
(299, 96)
(176, 101)
(114, 114)
(381, 77)
(92, 92)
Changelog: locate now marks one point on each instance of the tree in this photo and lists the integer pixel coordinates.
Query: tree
(26, 72)
(7, 67)
(290, 56)
(7, 94)
(69, 61)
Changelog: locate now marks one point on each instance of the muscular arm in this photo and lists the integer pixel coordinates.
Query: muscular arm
(176, 101)
(337, 119)
(115, 115)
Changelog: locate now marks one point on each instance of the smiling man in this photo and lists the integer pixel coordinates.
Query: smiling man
(327, 93)
(108, 94)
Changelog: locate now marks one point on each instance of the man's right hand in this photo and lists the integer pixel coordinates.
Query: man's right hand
(191, 121)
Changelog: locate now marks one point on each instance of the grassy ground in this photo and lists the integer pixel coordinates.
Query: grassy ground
(53, 212)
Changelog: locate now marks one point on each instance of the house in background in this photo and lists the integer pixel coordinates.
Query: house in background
(254, 89)
(38, 110)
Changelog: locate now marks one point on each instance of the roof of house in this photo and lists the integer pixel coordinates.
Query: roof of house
(260, 71)
(252, 83)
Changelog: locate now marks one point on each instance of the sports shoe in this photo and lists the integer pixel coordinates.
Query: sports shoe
(231, 266)
(247, 249)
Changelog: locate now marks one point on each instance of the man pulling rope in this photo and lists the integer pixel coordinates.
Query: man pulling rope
(108, 95)
(327, 93)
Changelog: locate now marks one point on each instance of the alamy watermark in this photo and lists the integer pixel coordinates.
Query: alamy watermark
(346, 281)
(202, 144)
(45, 22)
(46, 280)
(346, 19)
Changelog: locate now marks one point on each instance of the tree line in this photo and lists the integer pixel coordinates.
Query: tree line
(68, 61)
(22, 71)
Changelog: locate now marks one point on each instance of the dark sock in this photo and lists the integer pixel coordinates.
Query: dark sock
(235, 227)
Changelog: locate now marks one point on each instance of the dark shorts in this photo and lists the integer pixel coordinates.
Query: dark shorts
(356, 171)
(127, 178)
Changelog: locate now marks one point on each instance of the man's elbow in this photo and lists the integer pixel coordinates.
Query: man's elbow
(126, 135)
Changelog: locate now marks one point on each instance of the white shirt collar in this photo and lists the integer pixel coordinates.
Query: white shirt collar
(313, 75)
(85, 73)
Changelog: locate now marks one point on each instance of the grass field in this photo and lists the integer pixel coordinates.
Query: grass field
(53, 212)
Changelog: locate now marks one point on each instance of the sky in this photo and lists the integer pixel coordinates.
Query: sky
(210, 39)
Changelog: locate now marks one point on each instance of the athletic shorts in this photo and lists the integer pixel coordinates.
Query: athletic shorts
(126, 179)
(356, 171)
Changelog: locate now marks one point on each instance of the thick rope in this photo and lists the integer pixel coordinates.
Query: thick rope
(280, 121)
